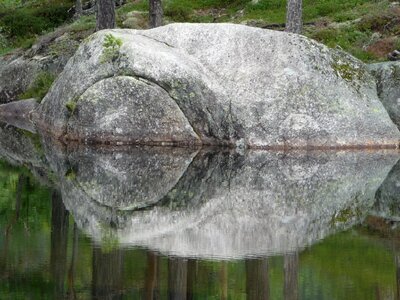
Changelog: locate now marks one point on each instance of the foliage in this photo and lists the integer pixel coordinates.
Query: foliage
(71, 174)
(39, 87)
(178, 11)
(20, 23)
(111, 46)
(30, 21)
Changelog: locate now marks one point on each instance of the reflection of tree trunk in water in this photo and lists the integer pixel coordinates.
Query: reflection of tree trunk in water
(177, 278)
(71, 272)
(224, 280)
(152, 277)
(191, 279)
(397, 261)
(107, 274)
(22, 179)
(59, 241)
(291, 269)
(257, 279)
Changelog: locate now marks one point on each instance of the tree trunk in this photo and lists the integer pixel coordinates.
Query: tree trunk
(294, 22)
(105, 14)
(78, 9)
(155, 13)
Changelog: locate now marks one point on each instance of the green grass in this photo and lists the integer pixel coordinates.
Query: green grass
(83, 23)
(348, 38)
(397, 44)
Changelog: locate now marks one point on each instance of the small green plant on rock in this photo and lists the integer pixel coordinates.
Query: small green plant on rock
(111, 46)
(71, 106)
(71, 174)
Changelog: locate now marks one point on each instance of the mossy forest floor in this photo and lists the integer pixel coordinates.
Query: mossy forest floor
(368, 29)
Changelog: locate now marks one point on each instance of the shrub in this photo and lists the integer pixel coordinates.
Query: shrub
(29, 21)
(111, 47)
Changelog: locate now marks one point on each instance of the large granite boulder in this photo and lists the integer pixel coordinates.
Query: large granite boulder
(215, 84)
(388, 84)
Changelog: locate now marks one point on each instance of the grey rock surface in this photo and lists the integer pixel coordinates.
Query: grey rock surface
(387, 75)
(227, 205)
(234, 84)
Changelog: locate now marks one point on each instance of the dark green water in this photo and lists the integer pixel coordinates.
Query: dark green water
(148, 224)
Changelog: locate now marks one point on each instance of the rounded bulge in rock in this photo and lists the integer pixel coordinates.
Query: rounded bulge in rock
(126, 109)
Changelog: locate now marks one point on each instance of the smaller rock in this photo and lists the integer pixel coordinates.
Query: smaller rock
(20, 108)
(387, 76)
(135, 14)
(395, 55)
(135, 20)
(17, 113)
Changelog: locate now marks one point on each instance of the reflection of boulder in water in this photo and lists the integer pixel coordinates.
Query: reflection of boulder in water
(22, 147)
(387, 203)
(227, 205)
(19, 146)
(124, 180)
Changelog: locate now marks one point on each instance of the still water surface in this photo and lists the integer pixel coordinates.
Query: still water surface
(156, 223)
